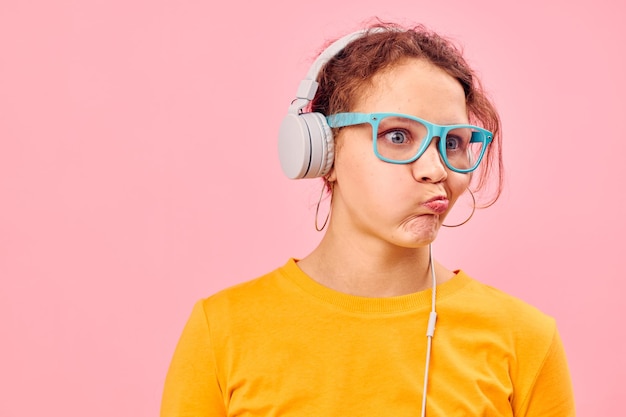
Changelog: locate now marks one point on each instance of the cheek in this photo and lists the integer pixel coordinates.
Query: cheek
(352, 172)
(353, 159)
(457, 184)
(366, 184)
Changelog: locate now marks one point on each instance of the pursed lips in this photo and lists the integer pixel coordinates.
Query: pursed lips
(437, 204)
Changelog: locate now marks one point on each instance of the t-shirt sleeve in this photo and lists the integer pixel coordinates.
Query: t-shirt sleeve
(191, 386)
(551, 395)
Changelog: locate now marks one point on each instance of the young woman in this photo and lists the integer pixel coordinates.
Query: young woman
(399, 127)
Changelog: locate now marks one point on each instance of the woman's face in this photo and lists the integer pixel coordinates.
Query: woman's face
(401, 205)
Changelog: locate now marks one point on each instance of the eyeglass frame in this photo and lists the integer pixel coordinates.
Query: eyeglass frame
(346, 119)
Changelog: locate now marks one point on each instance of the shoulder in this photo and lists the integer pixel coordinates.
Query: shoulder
(500, 304)
(490, 307)
(249, 298)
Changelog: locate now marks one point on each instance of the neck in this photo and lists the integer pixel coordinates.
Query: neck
(370, 267)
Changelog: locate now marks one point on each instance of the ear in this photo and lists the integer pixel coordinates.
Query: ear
(331, 176)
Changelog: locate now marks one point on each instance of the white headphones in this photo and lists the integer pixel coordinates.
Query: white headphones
(305, 141)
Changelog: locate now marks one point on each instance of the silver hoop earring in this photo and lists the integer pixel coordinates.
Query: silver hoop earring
(471, 214)
(317, 208)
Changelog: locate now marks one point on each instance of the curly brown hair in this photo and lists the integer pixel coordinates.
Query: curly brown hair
(384, 45)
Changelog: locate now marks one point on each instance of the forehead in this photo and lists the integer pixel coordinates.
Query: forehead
(416, 87)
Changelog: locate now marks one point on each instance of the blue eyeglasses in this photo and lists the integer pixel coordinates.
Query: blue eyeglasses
(402, 139)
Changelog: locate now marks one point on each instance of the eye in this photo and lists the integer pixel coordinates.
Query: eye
(397, 136)
(453, 142)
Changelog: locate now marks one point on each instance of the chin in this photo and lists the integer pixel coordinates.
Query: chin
(418, 232)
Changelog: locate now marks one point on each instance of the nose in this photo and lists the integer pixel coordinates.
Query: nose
(430, 167)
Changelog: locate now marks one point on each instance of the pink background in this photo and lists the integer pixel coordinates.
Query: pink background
(139, 172)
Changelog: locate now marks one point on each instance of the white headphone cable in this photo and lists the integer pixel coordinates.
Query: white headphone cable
(430, 331)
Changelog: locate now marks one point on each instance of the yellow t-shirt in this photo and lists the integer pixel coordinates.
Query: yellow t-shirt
(284, 345)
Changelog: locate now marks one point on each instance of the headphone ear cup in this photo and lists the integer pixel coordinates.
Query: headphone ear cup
(322, 144)
(305, 145)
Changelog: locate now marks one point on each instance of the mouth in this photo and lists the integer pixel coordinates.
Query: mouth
(437, 205)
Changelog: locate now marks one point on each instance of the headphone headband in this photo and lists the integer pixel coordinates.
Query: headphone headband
(308, 86)
(305, 141)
